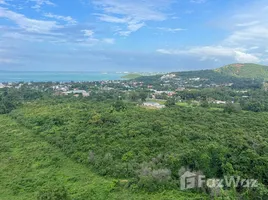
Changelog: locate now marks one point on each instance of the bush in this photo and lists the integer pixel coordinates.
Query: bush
(232, 108)
(53, 192)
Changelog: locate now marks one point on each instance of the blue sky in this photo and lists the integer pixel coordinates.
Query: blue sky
(131, 35)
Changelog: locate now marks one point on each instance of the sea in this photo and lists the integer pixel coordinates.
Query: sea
(27, 76)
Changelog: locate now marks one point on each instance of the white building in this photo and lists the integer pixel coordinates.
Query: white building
(168, 76)
(153, 105)
(219, 102)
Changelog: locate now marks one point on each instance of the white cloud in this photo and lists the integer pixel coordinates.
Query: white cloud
(245, 57)
(250, 26)
(3, 2)
(67, 19)
(215, 53)
(40, 3)
(254, 35)
(201, 51)
(132, 27)
(112, 19)
(139, 9)
(248, 23)
(88, 33)
(133, 14)
(27, 37)
(91, 40)
(246, 42)
(29, 25)
(173, 30)
(254, 47)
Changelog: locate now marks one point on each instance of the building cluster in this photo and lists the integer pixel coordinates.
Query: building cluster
(164, 87)
(5, 85)
(77, 93)
(168, 76)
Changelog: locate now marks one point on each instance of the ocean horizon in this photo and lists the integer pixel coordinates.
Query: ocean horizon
(58, 76)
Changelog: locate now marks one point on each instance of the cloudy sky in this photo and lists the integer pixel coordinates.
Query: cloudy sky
(132, 35)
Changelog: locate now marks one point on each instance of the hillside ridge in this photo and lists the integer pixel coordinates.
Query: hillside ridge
(245, 70)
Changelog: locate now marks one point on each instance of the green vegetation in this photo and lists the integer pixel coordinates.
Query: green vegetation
(182, 104)
(161, 102)
(249, 100)
(209, 77)
(170, 102)
(107, 146)
(206, 79)
(134, 144)
(246, 70)
(10, 99)
(33, 169)
(131, 76)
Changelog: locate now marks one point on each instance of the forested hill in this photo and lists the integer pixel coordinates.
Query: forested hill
(210, 78)
(246, 70)
(227, 73)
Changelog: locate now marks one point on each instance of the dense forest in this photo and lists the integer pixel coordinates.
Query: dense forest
(142, 150)
(32, 169)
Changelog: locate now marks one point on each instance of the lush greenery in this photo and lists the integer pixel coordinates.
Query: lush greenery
(250, 100)
(10, 99)
(247, 70)
(108, 146)
(33, 169)
(210, 77)
(207, 79)
(146, 148)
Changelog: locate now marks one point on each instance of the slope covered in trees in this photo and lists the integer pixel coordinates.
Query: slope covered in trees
(33, 169)
(245, 70)
(206, 78)
(146, 148)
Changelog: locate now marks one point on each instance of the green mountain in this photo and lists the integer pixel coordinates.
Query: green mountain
(245, 70)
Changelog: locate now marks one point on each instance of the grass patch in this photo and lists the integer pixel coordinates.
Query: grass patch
(183, 104)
